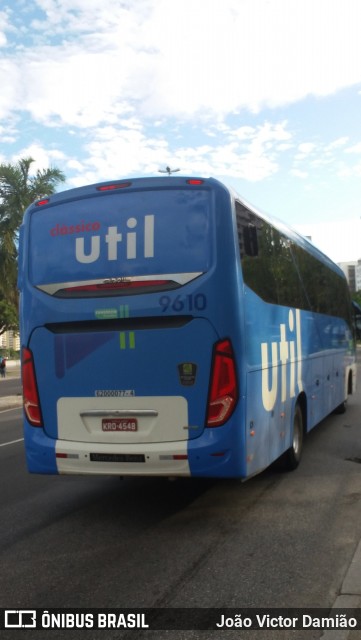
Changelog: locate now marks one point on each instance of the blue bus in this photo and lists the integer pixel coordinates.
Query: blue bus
(170, 329)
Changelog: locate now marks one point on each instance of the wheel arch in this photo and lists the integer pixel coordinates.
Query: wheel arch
(302, 402)
(350, 383)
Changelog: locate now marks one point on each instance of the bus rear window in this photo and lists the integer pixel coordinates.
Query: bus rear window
(121, 235)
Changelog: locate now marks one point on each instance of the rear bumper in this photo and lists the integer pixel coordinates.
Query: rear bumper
(206, 456)
(122, 459)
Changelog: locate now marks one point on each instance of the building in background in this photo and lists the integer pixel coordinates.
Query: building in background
(358, 276)
(352, 271)
(10, 341)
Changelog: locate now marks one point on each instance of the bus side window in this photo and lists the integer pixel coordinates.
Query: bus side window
(250, 240)
(247, 232)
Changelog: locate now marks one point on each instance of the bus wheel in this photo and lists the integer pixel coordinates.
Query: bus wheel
(293, 454)
(341, 408)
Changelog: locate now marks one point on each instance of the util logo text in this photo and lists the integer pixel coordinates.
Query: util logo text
(286, 356)
(114, 238)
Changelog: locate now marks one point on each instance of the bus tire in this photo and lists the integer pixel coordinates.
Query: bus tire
(340, 409)
(293, 455)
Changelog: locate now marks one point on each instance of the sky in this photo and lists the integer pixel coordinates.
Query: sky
(264, 95)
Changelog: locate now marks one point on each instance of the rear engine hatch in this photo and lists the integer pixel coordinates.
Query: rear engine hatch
(145, 381)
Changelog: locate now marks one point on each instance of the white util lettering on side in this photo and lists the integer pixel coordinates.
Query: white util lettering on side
(284, 354)
(289, 353)
(113, 238)
(299, 350)
(269, 395)
(292, 356)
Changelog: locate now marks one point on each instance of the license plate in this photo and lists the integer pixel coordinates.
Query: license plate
(119, 424)
(117, 457)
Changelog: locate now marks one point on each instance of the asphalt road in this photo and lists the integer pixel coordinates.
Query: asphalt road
(11, 386)
(278, 540)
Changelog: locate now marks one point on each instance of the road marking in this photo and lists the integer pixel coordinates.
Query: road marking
(5, 444)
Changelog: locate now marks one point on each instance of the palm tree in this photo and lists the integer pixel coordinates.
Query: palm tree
(18, 189)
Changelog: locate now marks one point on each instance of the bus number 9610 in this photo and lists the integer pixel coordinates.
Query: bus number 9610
(183, 303)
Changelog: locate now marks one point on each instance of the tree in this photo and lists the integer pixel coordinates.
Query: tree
(8, 316)
(19, 187)
(357, 297)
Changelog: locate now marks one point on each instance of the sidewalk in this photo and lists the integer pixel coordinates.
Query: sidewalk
(10, 402)
(14, 401)
(12, 369)
(348, 598)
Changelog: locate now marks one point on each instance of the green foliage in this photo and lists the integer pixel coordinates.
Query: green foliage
(357, 297)
(8, 315)
(18, 189)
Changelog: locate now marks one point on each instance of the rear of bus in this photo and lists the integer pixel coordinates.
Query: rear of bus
(130, 316)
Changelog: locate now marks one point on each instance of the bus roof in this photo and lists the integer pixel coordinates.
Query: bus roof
(99, 188)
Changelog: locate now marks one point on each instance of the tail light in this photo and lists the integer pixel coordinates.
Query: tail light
(30, 389)
(122, 286)
(113, 186)
(223, 393)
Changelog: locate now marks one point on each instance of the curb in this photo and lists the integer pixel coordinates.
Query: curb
(349, 597)
(10, 402)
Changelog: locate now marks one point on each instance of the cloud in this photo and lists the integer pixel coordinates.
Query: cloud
(339, 239)
(9, 133)
(43, 158)
(345, 171)
(126, 149)
(11, 93)
(356, 148)
(115, 151)
(305, 148)
(5, 26)
(251, 54)
(90, 63)
(336, 144)
(129, 88)
(299, 174)
(75, 88)
(318, 155)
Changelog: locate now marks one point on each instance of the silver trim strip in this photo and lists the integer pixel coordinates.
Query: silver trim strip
(119, 413)
(179, 278)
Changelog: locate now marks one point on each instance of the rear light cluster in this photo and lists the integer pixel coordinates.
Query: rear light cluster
(114, 186)
(194, 182)
(223, 393)
(30, 389)
(122, 284)
(222, 400)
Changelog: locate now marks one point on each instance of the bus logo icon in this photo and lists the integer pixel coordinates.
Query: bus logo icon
(20, 619)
